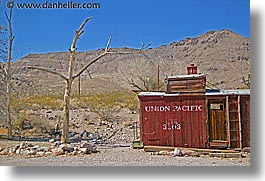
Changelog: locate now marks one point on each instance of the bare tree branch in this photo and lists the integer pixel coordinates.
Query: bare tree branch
(144, 47)
(106, 52)
(89, 74)
(78, 33)
(89, 64)
(134, 84)
(145, 82)
(108, 44)
(47, 70)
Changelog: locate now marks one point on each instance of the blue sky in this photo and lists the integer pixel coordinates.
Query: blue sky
(129, 22)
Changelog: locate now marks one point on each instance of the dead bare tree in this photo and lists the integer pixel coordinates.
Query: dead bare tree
(8, 72)
(145, 83)
(71, 76)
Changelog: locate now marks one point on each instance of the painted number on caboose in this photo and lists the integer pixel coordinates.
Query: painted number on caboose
(171, 125)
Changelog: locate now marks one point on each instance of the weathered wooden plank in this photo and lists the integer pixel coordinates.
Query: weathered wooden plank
(187, 82)
(158, 148)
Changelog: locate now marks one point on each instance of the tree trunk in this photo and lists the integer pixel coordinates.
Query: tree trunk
(67, 97)
(65, 129)
(8, 76)
(8, 102)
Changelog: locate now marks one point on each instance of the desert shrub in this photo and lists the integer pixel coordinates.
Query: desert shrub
(38, 102)
(105, 106)
(108, 104)
(246, 81)
(37, 125)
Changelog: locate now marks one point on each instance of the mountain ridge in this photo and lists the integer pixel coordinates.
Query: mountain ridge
(221, 54)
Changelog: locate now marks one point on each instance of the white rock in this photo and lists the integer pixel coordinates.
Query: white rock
(177, 152)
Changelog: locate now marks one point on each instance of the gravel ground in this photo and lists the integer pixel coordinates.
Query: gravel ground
(121, 156)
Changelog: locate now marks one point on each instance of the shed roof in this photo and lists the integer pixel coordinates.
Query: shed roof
(186, 76)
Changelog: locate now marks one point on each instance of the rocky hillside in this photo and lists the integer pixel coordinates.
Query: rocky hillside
(223, 55)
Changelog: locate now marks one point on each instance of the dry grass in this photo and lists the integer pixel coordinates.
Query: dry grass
(38, 102)
(113, 99)
(106, 105)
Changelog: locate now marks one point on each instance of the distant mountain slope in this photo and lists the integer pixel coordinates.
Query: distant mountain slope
(223, 55)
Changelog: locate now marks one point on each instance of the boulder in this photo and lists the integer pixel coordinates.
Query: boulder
(26, 125)
(91, 147)
(66, 148)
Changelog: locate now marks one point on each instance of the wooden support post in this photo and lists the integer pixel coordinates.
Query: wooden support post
(227, 121)
(239, 119)
(158, 75)
(79, 85)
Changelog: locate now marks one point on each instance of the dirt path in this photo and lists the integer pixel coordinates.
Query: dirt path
(120, 156)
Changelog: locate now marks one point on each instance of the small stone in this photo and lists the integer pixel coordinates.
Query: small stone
(29, 152)
(26, 125)
(43, 148)
(90, 147)
(35, 147)
(4, 152)
(57, 151)
(40, 153)
(18, 151)
(49, 111)
(84, 151)
(75, 139)
(48, 153)
(84, 134)
(12, 150)
(247, 149)
(190, 153)
(163, 153)
(57, 143)
(24, 152)
(74, 152)
(66, 148)
(177, 152)
(24, 145)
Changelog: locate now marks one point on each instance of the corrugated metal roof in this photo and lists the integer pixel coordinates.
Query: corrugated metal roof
(229, 92)
(157, 94)
(208, 92)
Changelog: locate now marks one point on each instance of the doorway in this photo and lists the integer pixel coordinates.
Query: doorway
(217, 123)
